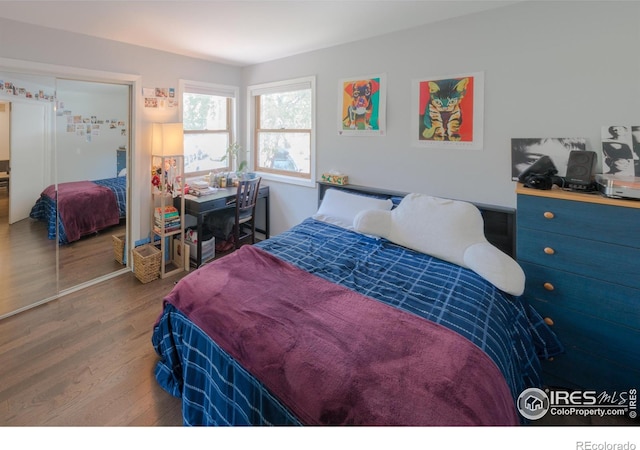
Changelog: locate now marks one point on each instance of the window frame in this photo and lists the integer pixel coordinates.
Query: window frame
(253, 93)
(232, 93)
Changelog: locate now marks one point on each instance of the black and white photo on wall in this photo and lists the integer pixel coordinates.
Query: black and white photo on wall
(621, 150)
(526, 151)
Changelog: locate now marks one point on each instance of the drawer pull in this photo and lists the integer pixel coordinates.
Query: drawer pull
(548, 321)
(549, 251)
(548, 215)
(548, 286)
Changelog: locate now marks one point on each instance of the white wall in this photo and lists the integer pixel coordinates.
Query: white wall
(552, 69)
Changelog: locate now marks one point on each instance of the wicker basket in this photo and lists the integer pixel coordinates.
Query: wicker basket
(118, 247)
(146, 262)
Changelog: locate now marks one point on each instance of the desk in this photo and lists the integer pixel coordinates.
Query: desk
(199, 207)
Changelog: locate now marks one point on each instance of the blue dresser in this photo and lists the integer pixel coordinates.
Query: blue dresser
(581, 256)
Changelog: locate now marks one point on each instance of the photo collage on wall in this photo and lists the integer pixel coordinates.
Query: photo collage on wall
(89, 127)
(9, 88)
(159, 98)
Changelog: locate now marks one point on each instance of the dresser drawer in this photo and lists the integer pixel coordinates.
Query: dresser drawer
(607, 301)
(587, 333)
(616, 264)
(577, 369)
(613, 224)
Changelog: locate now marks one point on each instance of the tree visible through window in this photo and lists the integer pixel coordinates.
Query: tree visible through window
(283, 130)
(208, 131)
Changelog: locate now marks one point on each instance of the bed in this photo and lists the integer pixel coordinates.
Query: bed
(84, 207)
(337, 321)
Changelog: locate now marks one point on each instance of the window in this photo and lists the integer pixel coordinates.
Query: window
(283, 125)
(208, 119)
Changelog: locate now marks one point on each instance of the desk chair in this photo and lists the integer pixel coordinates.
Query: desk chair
(245, 222)
(4, 174)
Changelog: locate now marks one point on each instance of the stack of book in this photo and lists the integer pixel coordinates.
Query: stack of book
(202, 191)
(167, 221)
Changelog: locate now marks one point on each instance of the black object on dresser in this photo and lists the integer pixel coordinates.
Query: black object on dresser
(581, 256)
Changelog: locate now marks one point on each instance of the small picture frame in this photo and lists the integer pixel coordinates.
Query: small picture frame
(362, 106)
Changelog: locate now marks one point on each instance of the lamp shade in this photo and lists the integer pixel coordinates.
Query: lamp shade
(167, 139)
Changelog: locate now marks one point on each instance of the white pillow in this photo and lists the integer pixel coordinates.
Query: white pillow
(375, 221)
(495, 266)
(450, 230)
(439, 227)
(436, 226)
(340, 208)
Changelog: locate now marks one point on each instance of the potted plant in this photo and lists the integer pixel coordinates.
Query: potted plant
(236, 156)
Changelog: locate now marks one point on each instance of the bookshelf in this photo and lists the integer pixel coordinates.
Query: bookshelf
(168, 215)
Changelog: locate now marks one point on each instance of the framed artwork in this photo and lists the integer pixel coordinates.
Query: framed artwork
(362, 106)
(526, 151)
(448, 111)
(621, 150)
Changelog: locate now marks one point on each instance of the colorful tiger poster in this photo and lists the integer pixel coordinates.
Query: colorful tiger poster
(448, 111)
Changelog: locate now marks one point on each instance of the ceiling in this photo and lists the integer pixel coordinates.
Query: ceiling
(238, 32)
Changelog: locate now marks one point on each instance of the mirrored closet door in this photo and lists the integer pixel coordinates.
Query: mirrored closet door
(68, 145)
(28, 260)
(92, 138)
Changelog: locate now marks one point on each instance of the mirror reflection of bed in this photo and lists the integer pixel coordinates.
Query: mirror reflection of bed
(76, 212)
(28, 260)
(86, 140)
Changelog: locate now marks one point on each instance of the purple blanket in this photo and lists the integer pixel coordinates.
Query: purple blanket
(84, 207)
(333, 356)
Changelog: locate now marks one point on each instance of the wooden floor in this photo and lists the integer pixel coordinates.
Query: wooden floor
(86, 359)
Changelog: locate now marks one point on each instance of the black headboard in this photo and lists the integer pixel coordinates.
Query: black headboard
(499, 222)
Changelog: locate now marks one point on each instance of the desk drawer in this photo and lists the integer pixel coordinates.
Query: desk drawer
(605, 223)
(607, 301)
(612, 263)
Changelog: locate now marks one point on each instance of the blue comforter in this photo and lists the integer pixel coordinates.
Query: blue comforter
(45, 208)
(216, 390)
